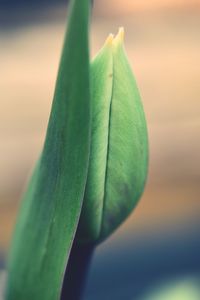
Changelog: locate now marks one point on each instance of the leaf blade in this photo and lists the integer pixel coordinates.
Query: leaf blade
(52, 205)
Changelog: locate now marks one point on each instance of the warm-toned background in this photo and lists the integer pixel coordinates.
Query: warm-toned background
(163, 44)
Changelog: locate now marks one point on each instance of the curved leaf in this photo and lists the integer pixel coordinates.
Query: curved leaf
(51, 207)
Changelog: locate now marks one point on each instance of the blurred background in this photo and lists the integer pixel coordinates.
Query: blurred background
(160, 241)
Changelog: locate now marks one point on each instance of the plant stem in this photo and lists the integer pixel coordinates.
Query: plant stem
(76, 272)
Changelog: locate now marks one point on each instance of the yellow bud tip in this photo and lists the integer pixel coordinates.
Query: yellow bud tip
(109, 40)
(120, 36)
(121, 33)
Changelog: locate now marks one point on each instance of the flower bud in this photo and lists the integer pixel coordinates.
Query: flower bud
(119, 144)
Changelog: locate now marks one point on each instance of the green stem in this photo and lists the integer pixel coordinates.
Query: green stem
(76, 272)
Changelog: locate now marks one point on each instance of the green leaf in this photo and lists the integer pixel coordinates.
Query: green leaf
(119, 144)
(52, 204)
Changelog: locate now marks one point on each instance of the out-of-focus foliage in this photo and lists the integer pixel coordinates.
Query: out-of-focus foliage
(188, 289)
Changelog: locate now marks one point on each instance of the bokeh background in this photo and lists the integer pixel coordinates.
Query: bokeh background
(160, 241)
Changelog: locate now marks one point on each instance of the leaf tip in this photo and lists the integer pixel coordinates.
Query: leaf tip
(109, 40)
(119, 39)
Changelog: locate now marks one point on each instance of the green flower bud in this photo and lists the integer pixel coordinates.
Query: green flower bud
(119, 144)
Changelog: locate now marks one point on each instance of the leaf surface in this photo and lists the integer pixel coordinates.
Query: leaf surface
(52, 204)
